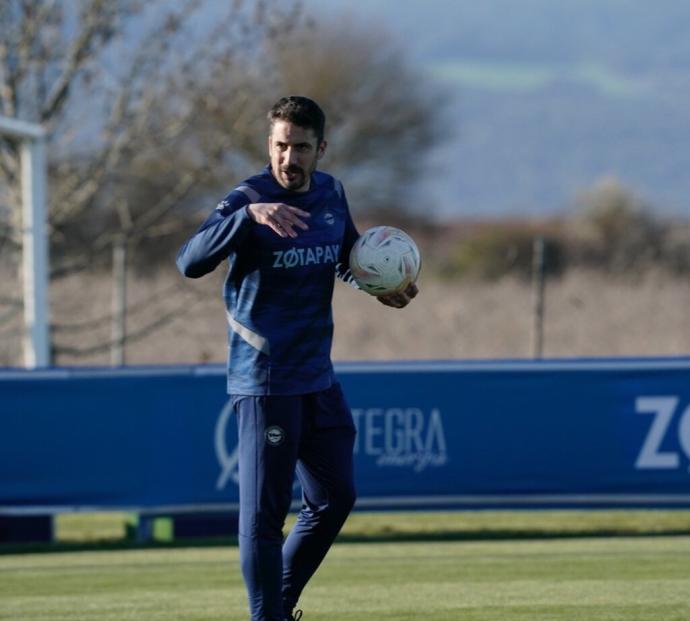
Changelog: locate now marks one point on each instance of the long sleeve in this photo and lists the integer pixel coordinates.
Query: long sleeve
(221, 233)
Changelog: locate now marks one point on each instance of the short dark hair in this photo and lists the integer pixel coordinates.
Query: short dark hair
(300, 111)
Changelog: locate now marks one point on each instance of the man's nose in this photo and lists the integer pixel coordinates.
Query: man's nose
(291, 155)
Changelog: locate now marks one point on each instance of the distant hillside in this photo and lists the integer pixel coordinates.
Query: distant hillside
(627, 34)
(546, 97)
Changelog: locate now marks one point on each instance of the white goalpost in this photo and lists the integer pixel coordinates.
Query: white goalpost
(36, 338)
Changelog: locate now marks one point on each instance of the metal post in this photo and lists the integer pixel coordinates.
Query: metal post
(145, 527)
(538, 298)
(119, 303)
(36, 339)
(35, 255)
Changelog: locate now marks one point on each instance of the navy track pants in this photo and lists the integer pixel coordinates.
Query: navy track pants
(313, 436)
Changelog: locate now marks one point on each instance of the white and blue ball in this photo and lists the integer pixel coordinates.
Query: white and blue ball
(384, 260)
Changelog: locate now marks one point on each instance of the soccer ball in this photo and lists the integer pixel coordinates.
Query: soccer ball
(384, 260)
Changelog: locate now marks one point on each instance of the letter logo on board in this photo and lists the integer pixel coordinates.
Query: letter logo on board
(228, 460)
(401, 437)
(653, 455)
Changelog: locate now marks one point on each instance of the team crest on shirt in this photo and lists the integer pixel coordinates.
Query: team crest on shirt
(329, 218)
(275, 435)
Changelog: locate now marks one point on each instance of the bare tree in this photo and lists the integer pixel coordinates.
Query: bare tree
(110, 81)
(616, 230)
(155, 109)
(384, 115)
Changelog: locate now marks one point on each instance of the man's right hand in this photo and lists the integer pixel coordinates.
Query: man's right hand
(283, 219)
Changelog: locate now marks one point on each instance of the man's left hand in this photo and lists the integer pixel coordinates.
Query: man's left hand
(401, 299)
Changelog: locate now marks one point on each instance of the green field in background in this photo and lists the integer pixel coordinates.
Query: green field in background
(587, 579)
(523, 77)
(445, 525)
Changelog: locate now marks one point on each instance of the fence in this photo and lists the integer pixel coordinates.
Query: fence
(577, 433)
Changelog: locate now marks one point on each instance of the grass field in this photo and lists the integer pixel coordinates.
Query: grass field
(560, 576)
(624, 579)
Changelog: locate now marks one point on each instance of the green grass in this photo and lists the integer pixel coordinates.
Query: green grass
(78, 528)
(588, 579)
(522, 77)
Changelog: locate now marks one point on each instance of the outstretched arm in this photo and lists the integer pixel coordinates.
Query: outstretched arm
(226, 228)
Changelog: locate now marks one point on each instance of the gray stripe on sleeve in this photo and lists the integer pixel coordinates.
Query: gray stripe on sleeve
(250, 193)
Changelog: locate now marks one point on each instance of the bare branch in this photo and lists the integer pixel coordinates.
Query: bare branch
(9, 169)
(11, 308)
(167, 202)
(7, 82)
(9, 314)
(97, 21)
(19, 49)
(132, 337)
(129, 116)
(132, 311)
(13, 302)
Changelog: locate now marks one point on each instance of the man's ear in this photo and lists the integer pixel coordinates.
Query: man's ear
(321, 150)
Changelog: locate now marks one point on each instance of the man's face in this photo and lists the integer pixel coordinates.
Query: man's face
(294, 153)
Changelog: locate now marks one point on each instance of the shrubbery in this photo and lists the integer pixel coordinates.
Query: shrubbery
(501, 250)
(611, 230)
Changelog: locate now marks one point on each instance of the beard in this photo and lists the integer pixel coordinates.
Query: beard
(293, 177)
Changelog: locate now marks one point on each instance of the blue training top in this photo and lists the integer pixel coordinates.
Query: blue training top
(278, 291)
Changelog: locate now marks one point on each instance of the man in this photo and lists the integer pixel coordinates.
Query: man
(285, 232)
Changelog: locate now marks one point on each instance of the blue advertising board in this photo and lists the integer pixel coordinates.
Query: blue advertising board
(430, 434)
